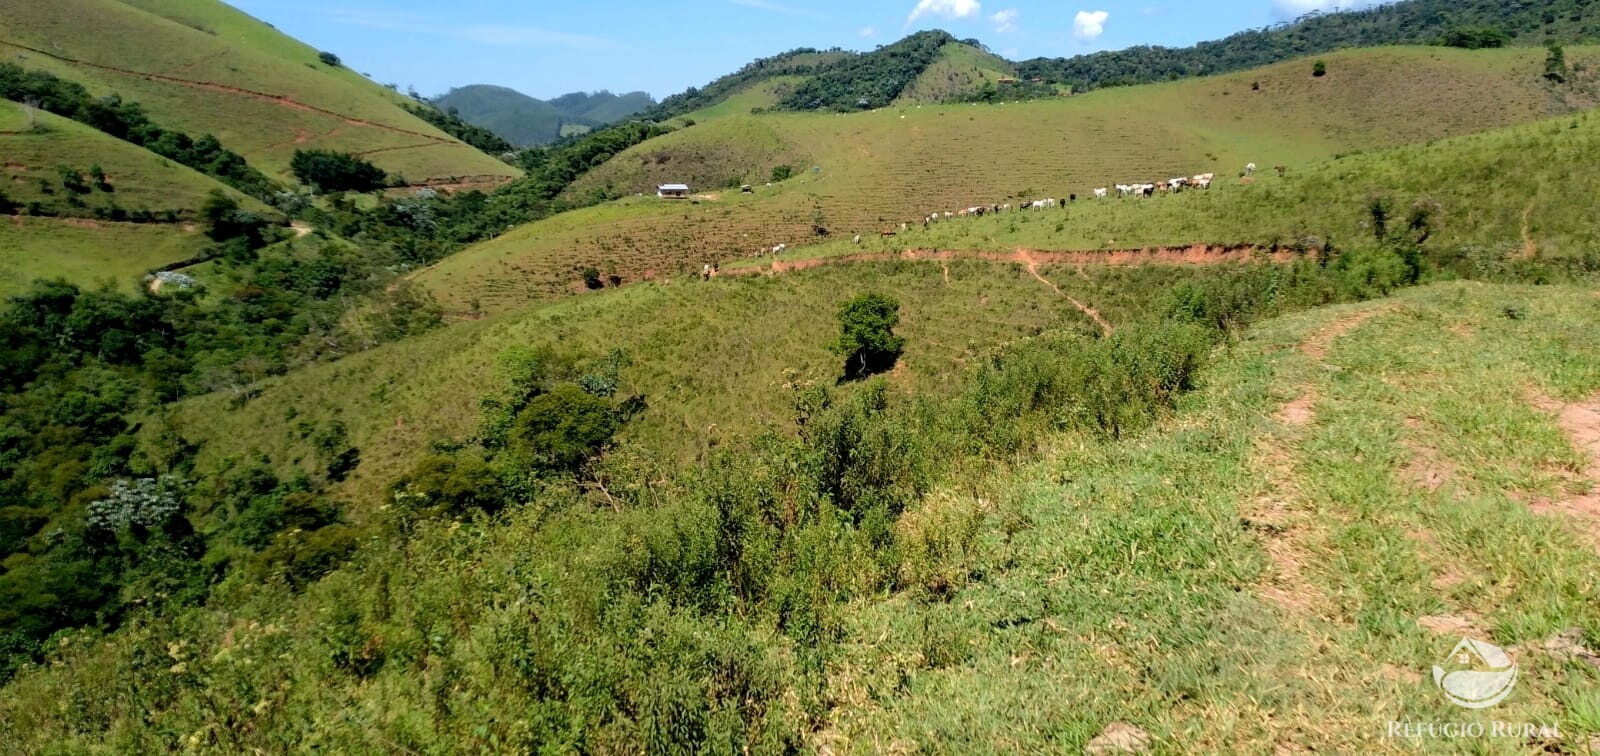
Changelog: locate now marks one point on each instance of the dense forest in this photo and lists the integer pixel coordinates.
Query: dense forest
(451, 123)
(1467, 23)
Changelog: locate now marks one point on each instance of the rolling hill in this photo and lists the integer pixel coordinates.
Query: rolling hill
(896, 165)
(85, 234)
(202, 67)
(526, 121)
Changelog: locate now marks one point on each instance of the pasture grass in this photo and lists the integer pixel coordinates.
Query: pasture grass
(879, 169)
(87, 252)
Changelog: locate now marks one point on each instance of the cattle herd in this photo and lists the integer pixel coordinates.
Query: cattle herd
(1169, 186)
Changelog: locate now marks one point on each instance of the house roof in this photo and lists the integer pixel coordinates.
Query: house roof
(673, 188)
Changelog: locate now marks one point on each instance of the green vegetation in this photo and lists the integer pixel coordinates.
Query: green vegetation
(800, 62)
(336, 172)
(1555, 64)
(1319, 69)
(329, 59)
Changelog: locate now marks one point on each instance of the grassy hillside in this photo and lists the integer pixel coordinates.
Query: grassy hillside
(89, 252)
(897, 165)
(397, 397)
(137, 180)
(959, 72)
(1274, 566)
(203, 67)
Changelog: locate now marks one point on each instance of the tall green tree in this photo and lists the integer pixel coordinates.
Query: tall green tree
(866, 335)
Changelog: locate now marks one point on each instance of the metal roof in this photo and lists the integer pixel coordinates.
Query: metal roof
(673, 188)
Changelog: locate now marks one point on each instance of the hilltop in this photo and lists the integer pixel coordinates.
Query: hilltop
(879, 169)
(526, 121)
(205, 68)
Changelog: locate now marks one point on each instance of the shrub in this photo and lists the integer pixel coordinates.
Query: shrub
(1555, 64)
(448, 486)
(782, 173)
(329, 59)
(591, 278)
(1319, 69)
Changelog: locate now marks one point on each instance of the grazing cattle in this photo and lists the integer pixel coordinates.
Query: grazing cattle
(978, 211)
(1203, 183)
(904, 227)
(1281, 169)
(1148, 190)
(1072, 198)
(1123, 190)
(1006, 208)
(858, 238)
(778, 250)
(1101, 193)
(1250, 170)
(947, 215)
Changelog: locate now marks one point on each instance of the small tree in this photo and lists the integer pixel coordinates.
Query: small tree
(782, 173)
(1319, 69)
(866, 335)
(329, 59)
(1555, 64)
(591, 278)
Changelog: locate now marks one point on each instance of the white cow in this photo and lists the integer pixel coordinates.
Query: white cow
(1101, 192)
(858, 238)
(778, 250)
(1250, 170)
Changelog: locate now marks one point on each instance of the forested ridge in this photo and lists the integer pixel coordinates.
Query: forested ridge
(1416, 22)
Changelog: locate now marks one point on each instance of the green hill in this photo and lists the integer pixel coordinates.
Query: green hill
(80, 227)
(959, 73)
(602, 107)
(900, 164)
(1413, 22)
(202, 67)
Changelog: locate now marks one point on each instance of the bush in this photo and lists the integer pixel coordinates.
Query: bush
(591, 278)
(782, 173)
(1475, 37)
(1555, 64)
(561, 430)
(1319, 69)
(329, 59)
(447, 486)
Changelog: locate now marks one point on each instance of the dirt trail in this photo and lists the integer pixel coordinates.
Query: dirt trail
(1277, 513)
(1530, 249)
(277, 99)
(1581, 422)
(1026, 258)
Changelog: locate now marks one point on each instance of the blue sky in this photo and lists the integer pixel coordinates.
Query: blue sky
(547, 48)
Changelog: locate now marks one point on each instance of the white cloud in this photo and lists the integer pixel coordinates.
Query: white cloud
(1005, 21)
(787, 10)
(944, 9)
(1289, 10)
(868, 32)
(1089, 25)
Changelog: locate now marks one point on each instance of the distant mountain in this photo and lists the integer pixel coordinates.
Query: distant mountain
(527, 121)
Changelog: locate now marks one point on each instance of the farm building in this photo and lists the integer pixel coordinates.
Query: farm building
(673, 191)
